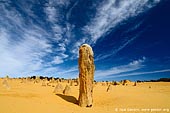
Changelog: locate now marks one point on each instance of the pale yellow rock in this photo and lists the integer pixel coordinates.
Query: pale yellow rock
(44, 83)
(109, 88)
(5, 84)
(67, 90)
(135, 84)
(58, 89)
(86, 75)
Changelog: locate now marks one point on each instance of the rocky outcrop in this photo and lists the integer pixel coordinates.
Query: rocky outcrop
(67, 90)
(109, 88)
(44, 83)
(135, 84)
(125, 82)
(58, 89)
(86, 75)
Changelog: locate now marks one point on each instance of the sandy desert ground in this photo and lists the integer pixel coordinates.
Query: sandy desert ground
(28, 97)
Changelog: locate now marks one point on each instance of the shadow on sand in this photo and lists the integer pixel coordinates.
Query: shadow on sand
(67, 98)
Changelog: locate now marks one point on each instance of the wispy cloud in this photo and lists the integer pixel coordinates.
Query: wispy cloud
(33, 41)
(51, 13)
(22, 57)
(143, 73)
(111, 12)
(23, 43)
(132, 66)
(26, 43)
(61, 28)
(131, 69)
(116, 50)
(70, 10)
(54, 17)
(59, 59)
(71, 72)
(137, 73)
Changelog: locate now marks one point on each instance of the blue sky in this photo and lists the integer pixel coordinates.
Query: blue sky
(130, 38)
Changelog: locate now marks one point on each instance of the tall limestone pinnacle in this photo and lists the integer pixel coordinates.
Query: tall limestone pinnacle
(86, 75)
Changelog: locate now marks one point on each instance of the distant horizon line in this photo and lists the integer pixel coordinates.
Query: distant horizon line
(163, 79)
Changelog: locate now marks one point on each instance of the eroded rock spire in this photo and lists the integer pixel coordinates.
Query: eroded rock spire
(86, 75)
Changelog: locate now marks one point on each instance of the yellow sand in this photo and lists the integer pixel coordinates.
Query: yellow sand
(34, 98)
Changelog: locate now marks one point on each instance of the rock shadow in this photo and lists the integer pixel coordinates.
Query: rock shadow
(67, 98)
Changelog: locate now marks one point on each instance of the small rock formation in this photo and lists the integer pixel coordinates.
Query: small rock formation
(67, 90)
(135, 84)
(60, 80)
(107, 83)
(28, 79)
(116, 83)
(5, 84)
(109, 88)
(23, 80)
(58, 89)
(37, 79)
(77, 82)
(48, 83)
(68, 81)
(103, 84)
(86, 75)
(126, 82)
(71, 83)
(44, 83)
